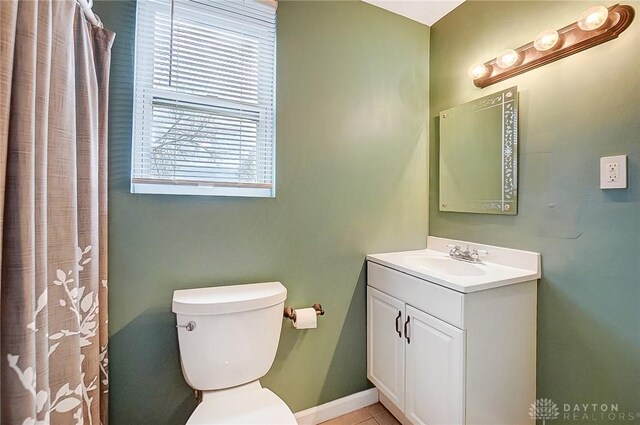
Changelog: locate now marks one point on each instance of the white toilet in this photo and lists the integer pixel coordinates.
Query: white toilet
(228, 338)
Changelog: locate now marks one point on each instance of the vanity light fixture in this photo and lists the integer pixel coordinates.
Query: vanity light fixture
(595, 25)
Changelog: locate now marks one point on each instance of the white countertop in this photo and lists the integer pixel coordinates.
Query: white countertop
(501, 267)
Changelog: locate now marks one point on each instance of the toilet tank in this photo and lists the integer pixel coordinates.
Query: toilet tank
(235, 332)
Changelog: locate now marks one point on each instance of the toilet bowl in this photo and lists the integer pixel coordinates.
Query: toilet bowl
(228, 337)
(249, 404)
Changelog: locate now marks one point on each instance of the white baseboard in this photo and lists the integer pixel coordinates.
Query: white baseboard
(335, 408)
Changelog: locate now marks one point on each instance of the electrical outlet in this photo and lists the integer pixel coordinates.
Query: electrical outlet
(613, 176)
(613, 172)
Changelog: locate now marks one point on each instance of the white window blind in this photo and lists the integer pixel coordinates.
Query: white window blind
(204, 97)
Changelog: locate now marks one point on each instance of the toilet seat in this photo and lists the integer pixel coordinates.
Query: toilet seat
(241, 407)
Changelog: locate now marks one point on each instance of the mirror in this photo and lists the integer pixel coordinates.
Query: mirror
(479, 155)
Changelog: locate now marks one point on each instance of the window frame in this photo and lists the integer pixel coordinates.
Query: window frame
(264, 115)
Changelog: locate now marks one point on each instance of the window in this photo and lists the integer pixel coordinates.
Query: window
(204, 98)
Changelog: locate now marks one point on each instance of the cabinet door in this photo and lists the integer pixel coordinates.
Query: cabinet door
(385, 344)
(435, 371)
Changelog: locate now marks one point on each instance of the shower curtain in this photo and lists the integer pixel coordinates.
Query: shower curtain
(54, 76)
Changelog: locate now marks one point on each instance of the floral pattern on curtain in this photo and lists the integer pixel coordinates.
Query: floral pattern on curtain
(54, 78)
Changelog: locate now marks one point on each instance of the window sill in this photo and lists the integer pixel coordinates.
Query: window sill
(202, 190)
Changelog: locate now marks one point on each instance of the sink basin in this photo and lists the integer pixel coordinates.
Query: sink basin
(444, 265)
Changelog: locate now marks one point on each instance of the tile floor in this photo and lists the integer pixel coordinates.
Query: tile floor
(376, 414)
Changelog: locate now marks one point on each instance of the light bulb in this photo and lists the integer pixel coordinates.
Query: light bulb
(507, 58)
(546, 40)
(593, 18)
(478, 70)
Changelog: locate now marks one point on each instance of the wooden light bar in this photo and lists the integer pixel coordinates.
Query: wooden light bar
(572, 40)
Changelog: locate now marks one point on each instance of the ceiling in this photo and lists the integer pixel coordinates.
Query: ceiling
(427, 12)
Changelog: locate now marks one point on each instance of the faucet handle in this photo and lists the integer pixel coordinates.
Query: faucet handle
(455, 249)
(475, 253)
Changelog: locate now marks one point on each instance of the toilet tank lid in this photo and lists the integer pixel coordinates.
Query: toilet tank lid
(228, 299)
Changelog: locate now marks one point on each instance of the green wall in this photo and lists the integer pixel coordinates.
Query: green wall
(572, 112)
(352, 113)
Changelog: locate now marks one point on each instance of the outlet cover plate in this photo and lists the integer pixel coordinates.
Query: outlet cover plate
(613, 172)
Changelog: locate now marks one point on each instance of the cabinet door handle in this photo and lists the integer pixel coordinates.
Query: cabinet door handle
(406, 332)
(398, 325)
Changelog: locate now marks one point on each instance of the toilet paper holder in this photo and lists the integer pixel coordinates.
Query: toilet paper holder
(290, 312)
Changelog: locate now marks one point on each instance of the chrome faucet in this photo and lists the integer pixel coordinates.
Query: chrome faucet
(468, 255)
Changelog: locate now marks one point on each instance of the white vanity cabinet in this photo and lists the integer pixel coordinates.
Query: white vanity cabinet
(441, 356)
(416, 360)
